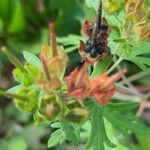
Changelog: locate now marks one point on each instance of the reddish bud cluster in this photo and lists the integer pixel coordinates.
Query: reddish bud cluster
(101, 88)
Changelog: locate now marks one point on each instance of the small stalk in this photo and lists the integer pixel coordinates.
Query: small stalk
(136, 77)
(45, 70)
(125, 97)
(13, 59)
(52, 37)
(115, 65)
(12, 95)
(115, 78)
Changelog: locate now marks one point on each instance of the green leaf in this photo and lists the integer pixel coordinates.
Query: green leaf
(18, 22)
(136, 53)
(70, 132)
(122, 106)
(57, 137)
(142, 143)
(33, 59)
(117, 124)
(56, 125)
(126, 123)
(102, 66)
(71, 41)
(98, 134)
(14, 89)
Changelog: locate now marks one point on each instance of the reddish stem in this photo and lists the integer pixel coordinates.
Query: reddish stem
(52, 37)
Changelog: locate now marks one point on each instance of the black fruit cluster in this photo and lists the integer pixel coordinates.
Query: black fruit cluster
(99, 46)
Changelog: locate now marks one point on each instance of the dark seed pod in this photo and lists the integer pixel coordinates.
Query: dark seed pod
(88, 47)
(99, 43)
(99, 50)
(104, 27)
(93, 53)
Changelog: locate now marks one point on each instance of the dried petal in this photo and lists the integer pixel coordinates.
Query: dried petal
(78, 83)
(49, 78)
(86, 28)
(103, 87)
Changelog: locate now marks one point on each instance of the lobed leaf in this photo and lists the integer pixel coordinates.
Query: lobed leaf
(70, 132)
(57, 137)
(98, 134)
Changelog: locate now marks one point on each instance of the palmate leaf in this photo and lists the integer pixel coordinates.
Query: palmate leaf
(98, 134)
(65, 131)
(126, 123)
(136, 53)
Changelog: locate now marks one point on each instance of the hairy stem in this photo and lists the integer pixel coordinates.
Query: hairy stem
(12, 95)
(115, 65)
(13, 59)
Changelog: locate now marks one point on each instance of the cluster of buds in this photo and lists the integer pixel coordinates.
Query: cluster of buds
(101, 88)
(41, 89)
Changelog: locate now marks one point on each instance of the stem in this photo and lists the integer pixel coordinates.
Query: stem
(52, 37)
(131, 87)
(45, 70)
(115, 65)
(12, 95)
(13, 59)
(125, 97)
(127, 90)
(135, 77)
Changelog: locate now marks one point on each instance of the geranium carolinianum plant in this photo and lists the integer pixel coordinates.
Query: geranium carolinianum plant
(83, 96)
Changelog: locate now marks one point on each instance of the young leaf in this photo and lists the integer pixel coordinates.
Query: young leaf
(57, 137)
(56, 125)
(71, 41)
(33, 59)
(14, 89)
(136, 53)
(70, 132)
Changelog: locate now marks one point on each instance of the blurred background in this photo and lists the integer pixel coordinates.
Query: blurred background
(23, 27)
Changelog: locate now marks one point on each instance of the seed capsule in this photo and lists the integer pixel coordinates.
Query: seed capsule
(88, 47)
(93, 53)
(100, 50)
(104, 27)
